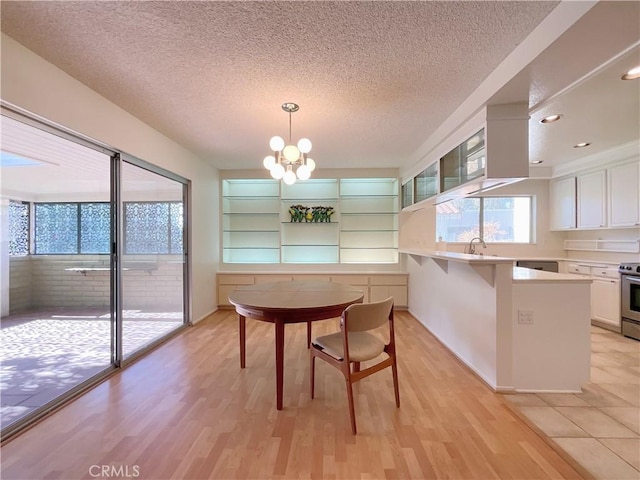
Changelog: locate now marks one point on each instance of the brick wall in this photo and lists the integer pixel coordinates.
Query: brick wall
(149, 281)
(20, 291)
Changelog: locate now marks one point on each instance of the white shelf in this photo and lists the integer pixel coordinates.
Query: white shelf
(256, 219)
(618, 246)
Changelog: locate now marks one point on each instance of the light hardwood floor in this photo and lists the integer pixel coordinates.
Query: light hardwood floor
(187, 411)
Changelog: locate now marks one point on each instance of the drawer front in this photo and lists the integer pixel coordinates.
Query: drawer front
(272, 278)
(579, 269)
(323, 278)
(605, 272)
(388, 279)
(224, 279)
(350, 279)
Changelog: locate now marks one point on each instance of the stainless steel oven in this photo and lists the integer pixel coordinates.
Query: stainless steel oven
(630, 299)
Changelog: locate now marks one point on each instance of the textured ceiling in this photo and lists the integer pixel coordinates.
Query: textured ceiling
(373, 79)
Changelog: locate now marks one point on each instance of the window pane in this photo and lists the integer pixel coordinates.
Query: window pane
(176, 227)
(507, 219)
(458, 220)
(56, 228)
(146, 228)
(95, 226)
(18, 228)
(407, 193)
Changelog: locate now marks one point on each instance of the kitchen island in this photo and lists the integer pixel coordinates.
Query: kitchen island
(519, 329)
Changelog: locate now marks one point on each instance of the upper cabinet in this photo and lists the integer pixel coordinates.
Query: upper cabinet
(591, 200)
(563, 203)
(624, 195)
(606, 198)
(492, 154)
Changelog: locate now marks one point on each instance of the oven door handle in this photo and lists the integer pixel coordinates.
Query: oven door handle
(633, 279)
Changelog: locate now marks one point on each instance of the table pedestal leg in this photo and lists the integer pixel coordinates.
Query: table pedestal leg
(242, 324)
(279, 362)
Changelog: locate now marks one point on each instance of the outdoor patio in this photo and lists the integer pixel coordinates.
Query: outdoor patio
(48, 352)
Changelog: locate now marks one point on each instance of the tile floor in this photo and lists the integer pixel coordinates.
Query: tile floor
(600, 427)
(46, 353)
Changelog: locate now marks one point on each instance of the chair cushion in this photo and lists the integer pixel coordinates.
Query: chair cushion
(362, 346)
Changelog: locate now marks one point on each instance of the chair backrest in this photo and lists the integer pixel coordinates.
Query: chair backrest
(368, 316)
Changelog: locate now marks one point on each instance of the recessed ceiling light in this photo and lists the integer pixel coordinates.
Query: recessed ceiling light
(551, 118)
(537, 162)
(632, 74)
(581, 145)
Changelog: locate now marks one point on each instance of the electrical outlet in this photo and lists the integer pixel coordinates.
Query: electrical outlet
(525, 317)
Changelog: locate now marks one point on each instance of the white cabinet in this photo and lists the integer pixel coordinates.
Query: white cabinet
(624, 195)
(374, 286)
(563, 203)
(591, 200)
(605, 301)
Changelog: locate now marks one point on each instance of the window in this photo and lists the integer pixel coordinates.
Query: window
(18, 228)
(84, 228)
(153, 228)
(494, 219)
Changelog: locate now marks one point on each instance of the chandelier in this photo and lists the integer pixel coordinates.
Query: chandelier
(287, 156)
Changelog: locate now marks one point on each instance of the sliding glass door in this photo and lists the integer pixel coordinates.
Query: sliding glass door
(57, 321)
(153, 253)
(92, 263)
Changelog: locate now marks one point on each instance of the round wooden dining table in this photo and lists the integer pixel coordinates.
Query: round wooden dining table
(289, 302)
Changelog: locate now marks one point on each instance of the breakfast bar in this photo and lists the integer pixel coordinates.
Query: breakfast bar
(519, 329)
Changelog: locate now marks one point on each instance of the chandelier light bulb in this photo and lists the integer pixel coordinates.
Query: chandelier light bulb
(304, 145)
(289, 177)
(277, 171)
(303, 172)
(291, 153)
(269, 162)
(311, 165)
(289, 162)
(276, 143)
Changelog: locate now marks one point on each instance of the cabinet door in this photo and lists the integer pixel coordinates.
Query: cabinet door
(624, 195)
(591, 204)
(605, 301)
(563, 203)
(381, 292)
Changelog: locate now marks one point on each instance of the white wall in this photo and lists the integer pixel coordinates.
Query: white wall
(33, 84)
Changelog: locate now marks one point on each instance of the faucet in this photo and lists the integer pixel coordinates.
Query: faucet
(472, 248)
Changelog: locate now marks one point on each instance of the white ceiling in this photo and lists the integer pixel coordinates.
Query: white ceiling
(375, 81)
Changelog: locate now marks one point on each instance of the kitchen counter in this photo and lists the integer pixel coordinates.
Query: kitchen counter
(519, 329)
(457, 257)
(528, 275)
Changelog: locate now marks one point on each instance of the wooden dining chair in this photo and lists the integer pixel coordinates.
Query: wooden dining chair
(354, 344)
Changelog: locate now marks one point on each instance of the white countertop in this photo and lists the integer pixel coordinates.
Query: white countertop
(457, 257)
(528, 275)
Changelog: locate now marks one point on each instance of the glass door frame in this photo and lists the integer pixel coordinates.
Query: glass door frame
(116, 237)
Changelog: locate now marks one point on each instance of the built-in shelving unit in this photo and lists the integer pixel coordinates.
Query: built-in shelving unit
(369, 220)
(310, 242)
(258, 227)
(251, 221)
(618, 246)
